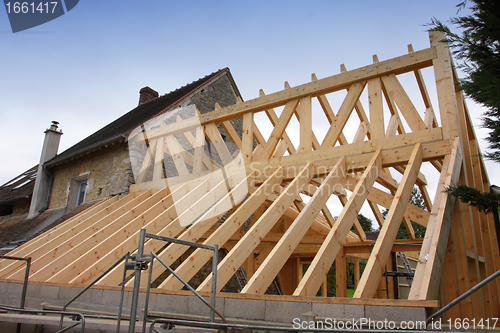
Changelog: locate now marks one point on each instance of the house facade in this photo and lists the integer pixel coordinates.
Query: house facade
(99, 166)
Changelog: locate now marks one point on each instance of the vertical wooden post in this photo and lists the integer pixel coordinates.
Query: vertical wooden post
(247, 137)
(340, 273)
(250, 266)
(461, 258)
(299, 270)
(445, 86)
(324, 287)
(450, 276)
(356, 272)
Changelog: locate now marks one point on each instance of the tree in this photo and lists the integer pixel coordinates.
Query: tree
(365, 222)
(416, 199)
(477, 48)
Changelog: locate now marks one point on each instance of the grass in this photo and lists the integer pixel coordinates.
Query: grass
(350, 292)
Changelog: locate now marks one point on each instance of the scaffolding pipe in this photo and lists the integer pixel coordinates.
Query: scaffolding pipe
(464, 296)
(137, 281)
(62, 313)
(90, 285)
(25, 283)
(190, 288)
(224, 326)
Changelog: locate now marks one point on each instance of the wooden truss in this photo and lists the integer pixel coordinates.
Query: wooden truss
(272, 218)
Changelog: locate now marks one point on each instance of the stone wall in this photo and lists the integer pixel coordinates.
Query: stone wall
(108, 171)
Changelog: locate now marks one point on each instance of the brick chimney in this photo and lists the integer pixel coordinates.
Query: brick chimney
(147, 94)
(43, 178)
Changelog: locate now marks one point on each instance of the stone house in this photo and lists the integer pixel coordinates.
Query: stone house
(99, 166)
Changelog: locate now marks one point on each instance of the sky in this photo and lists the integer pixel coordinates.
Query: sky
(85, 68)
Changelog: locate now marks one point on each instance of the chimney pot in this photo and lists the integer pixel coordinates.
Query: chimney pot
(54, 125)
(147, 94)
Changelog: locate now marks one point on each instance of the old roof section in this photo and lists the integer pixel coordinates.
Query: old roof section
(20, 187)
(121, 127)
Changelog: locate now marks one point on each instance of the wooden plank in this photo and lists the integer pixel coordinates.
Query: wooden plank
(228, 127)
(402, 64)
(397, 93)
(198, 144)
(199, 151)
(425, 197)
(175, 151)
(278, 130)
(450, 278)
(305, 117)
(357, 274)
(444, 85)
(274, 119)
(384, 199)
(158, 166)
(359, 109)
(470, 246)
(461, 258)
(357, 226)
(397, 127)
(376, 108)
(409, 227)
(376, 212)
(373, 271)
(430, 118)
(247, 137)
(263, 277)
(247, 244)
(341, 274)
(211, 210)
(345, 110)
(68, 240)
(77, 247)
(51, 238)
(148, 158)
(98, 252)
(47, 236)
(396, 156)
(333, 242)
(431, 257)
(330, 115)
(361, 133)
(281, 149)
(392, 127)
(159, 220)
(258, 135)
(218, 143)
(222, 234)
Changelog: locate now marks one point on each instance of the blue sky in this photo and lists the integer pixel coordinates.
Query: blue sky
(85, 68)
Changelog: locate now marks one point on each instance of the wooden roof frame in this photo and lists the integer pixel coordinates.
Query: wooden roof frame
(459, 248)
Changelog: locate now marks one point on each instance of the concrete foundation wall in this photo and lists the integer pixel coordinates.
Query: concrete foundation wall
(269, 310)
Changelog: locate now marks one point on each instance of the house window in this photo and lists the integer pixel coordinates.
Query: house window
(82, 185)
(77, 191)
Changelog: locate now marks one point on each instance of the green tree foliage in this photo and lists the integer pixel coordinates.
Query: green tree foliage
(477, 48)
(365, 222)
(484, 202)
(417, 200)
